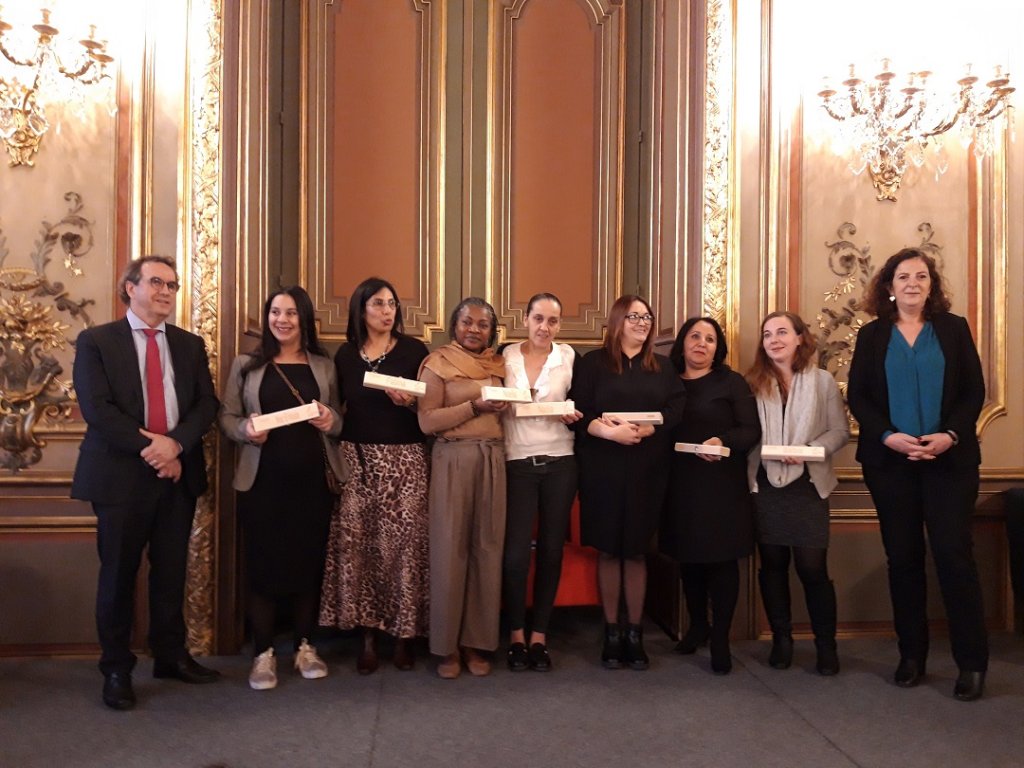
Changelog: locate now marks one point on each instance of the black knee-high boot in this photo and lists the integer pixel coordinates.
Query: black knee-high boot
(821, 606)
(775, 594)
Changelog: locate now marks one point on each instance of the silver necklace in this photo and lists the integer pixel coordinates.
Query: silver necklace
(373, 365)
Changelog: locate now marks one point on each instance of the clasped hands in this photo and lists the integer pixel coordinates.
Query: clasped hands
(923, 448)
(162, 455)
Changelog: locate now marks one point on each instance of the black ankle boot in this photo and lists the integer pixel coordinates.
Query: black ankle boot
(821, 606)
(695, 637)
(828, 657)
(775, 595)
(612, 653)
(781, 656)
(635, 655)
(721, 655)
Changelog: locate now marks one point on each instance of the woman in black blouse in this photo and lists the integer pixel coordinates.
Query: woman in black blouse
(709, 520)
(377, 558)
(624, 466)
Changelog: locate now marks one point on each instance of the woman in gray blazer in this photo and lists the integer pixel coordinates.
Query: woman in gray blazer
(284, 496)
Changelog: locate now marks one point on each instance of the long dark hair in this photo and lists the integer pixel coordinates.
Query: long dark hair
(676, 353)
(270, 347)
(613, 338)
(876, 299)
(356, 332)
(474, 301)
(763, 372)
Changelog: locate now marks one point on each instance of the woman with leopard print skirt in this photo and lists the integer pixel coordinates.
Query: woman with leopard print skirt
(377, 574)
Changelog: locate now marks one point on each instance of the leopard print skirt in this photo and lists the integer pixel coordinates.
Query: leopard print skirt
(377, 570)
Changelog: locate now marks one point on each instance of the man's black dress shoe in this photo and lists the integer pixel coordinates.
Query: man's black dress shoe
(187, 669)
(908, 673)
(518, 658)
(969, 685)
(117, 691)
(540, 659)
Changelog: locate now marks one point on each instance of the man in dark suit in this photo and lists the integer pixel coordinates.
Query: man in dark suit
(147, 398)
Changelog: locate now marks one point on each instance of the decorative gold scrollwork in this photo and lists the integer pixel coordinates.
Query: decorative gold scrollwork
(31, 391)
(840, 325)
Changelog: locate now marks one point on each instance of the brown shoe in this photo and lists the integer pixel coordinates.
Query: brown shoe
(477, 665)
(405, 657)
(449, 667)
(368, 662)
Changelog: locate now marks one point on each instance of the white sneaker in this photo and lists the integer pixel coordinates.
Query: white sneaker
(264, 671)
(308, 663)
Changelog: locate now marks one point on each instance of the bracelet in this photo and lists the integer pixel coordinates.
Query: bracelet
(472, 405)
(954, 436)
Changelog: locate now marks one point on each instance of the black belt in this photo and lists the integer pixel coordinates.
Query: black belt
(540, 461)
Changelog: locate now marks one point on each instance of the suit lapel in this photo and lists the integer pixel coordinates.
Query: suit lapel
(132, 369)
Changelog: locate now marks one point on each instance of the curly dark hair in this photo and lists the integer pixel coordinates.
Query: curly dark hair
(474, 301)
(877, 299)
(676, 353)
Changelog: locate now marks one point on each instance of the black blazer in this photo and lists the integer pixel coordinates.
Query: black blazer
(109, 389)
(963, 391)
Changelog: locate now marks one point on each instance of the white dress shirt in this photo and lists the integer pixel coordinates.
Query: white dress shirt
(538, 435)
(170, 396)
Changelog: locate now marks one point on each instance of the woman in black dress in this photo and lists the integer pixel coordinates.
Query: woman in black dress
(377, 574)
(709, 520)
(624, 466)
(284, 501)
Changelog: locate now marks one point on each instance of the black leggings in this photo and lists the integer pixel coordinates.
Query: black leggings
(262, 610)
(718, 581)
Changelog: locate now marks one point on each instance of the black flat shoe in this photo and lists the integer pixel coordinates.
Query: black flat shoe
(117, 691)
(187, 669)
(695, 637)
(909, 673)
(518, 658)
(969, 686)
(540, 659)
(612, 652)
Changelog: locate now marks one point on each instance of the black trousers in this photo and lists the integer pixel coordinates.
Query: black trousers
(163, 521)
(913, 496)
(543, 494)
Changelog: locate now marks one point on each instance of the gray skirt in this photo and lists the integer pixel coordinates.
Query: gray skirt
(791, 516)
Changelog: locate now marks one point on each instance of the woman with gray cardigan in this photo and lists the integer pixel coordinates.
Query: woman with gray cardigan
(798, 405)
(284, 498)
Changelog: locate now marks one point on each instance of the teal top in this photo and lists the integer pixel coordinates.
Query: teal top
(914, 376)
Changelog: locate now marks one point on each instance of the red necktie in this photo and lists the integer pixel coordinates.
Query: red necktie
(157, 417)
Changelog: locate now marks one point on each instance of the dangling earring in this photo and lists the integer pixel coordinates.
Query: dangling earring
(892, 297)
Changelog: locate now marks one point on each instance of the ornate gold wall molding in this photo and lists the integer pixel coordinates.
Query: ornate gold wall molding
(201, 256)
(607, 19)
(425, 310)
(35, 402)
(719, 266)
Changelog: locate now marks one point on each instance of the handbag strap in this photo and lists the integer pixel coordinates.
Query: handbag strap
(288, 382)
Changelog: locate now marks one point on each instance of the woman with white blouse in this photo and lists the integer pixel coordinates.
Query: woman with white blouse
(541, 475)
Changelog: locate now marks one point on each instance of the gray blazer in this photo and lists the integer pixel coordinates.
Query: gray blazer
(239, 402)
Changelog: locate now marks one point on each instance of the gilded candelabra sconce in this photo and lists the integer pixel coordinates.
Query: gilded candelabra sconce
(888, 127)
(33, 81)
(32, 394)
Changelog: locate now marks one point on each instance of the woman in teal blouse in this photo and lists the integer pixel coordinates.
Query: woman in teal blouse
(916, 387)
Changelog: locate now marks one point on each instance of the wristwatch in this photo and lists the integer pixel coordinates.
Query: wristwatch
(954, 435)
